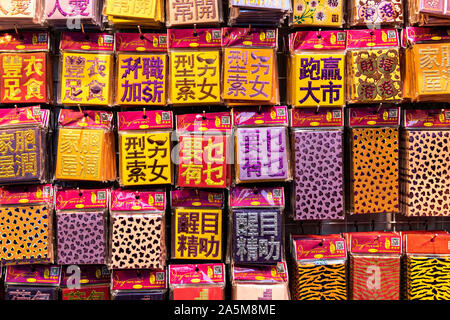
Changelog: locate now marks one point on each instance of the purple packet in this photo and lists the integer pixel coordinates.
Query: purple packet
(257, 236)
(319, 186)
(31, 293)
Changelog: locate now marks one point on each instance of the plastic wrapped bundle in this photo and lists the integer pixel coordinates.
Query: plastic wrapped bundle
(375, 164)
(145, 13)
(137, 229)
(95, 282)
(197, 281)
(197, 215)
(269, 13)
(374, 266)
(322, 278)
(20, 14)
(33, 219)
(250, 68)
(426, 266)
(140, 284)
(262, 151)
(318, 159)
(260, 282)
(316, 69)
(428, 13)
(314, 13)
(191, 12)
(145, 154)
(203, 156)
(23, 146)
(81, 232)
(69, 14)
(425, 163)
(85, 154)
(32, 282)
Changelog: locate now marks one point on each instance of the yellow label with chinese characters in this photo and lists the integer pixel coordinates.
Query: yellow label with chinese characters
(197, 234)
(195, 77)
(318, 80)
(80, 154)
(145, 159)
(86, 79)
(248, 74)
(141, 79)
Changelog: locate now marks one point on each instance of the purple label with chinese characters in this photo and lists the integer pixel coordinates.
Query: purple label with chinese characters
(261, 153)
(20, 152)
(257, 236)
(31, 293)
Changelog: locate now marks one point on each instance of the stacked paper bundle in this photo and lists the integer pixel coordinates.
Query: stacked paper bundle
(132, 13)
(20, 14)
(265, 13)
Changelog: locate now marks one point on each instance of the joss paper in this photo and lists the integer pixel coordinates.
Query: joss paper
(190, 12)
(195, 77)
(270, 13)
(375, 170)
(427, 277)
(27, 233)
(317, 79)
(87, 292)
(248, 74)
(139, 295)
(203, 161)
(257, 236)
(25, 78)
(318, 174)
(31, 293)
(23, 13)
(426, 169)
(86, 78)
(261, 154)
(200, 292)
(145, 158)
(67, 13)
(378, 12)
(243, 291)
(22, 155)
(197, 234)
(141, 79)
(135, 12)
(323, 13)
(81, 238)
(327, 281)
(374, 277)
(374, 75)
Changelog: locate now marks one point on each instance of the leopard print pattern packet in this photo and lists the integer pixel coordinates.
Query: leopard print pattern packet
(426, 173)
(81, 238)
(319, 185)
(26, 234)
(375, 170)
(138, 241)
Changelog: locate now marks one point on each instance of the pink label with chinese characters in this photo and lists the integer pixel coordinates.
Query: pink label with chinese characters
(25, 41)
(262, 274)
(260, 197)
(373, 242)
(418, 34)
(196, 198)
(253, 37)
(88, 119)
(313, 117)
(208, 122)
(26, 194)
(319, 248)
(141, 42)
(89, 275)
(24, 116)
(131, 200)
(197, 273)
(33, 274)
(195, 38)
(79, 41)
(315, 40)
(432, 118)
(81, 199)
(248, 116)
(144, 279)
(367, 38)
(374, 116)
(143, 120)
